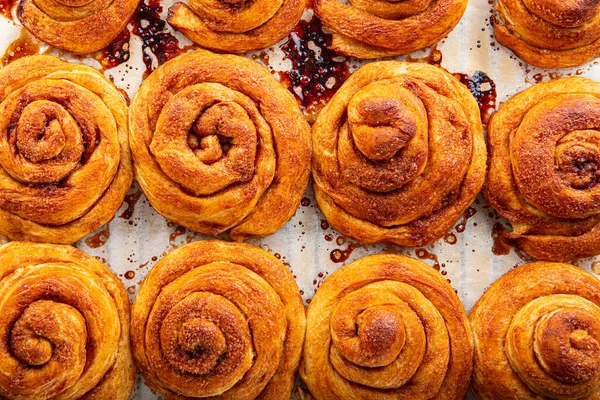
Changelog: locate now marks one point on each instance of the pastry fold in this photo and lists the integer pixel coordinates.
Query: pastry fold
(219, 144)
(386, 28)
(537, 335)
(64, 326)
(236, 26)
(65, 165)
(387, 327)
(548, 33)
(398, 154)
(544, 168)
(219, 319)
(77, 26)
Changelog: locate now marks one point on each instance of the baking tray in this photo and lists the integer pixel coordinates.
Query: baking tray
(139, 237)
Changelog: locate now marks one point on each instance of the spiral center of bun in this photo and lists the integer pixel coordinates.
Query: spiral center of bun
(380, 339)
(565, 346)
(47, 134)
(215, 130)
(202, 339)
(578, 159)
(381, 125)
(206, 335)
(209, 137)
(564, 13)
(553, 344)
(40, 330)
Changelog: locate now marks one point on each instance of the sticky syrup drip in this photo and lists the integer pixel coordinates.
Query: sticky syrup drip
(6, 7)
(25, 45)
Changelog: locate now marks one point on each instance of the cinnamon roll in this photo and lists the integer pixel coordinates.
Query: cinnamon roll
(398, 154)
(537, 335)
(544, 168)
(236, 26)
(221, 319)
(77, 26)
(549, 33)
(65, 165)
(385, 28)
(219, 144)
(64, 326)
(387, 327)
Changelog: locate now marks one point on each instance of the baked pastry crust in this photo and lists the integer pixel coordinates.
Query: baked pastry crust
(383, 327)
(65, 165)
(548, 33)
(236, 26)
(219, 144)
(64, 326)
(383, 147)
(386, 28)
(217, 318)
(537, 335)
(77, 26)
(543, 173)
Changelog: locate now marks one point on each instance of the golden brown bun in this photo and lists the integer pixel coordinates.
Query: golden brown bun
(387, 327)
(64, 326)
(385, 28)
(77, 26)
(550, 33)
(65, 165)
(217, 318)
(544, 168)
(236, 26)
(219, 144)
(383, 150)
(537, 335)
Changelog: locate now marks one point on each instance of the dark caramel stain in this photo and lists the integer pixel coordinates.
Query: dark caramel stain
(98, 239)
(462, 224)
(450, 238)
(500, 247)
(342, 255)
(6, 7)
(423, 254)
(25, 45)
(130, 200)
(179, 231)
(434, 57)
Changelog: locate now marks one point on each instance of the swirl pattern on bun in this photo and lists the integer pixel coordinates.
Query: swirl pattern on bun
(65, 165)
(398, 154)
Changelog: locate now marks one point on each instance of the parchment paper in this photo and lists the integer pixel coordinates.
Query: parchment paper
(138, 236)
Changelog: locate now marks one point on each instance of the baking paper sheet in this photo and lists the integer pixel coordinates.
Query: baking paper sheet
(138, 236)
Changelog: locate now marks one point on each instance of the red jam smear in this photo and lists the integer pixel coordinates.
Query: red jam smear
(159, 45)
(117, 52)
(157, 41)
(483, 88)
(317, 72)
